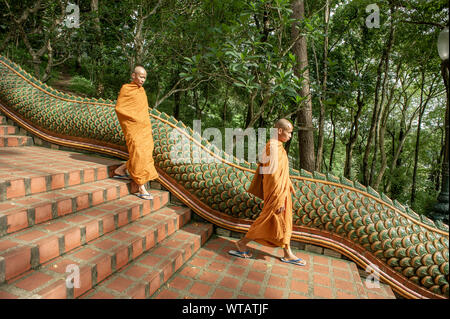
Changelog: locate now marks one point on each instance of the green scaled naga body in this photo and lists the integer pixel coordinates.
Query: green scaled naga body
(407, 251)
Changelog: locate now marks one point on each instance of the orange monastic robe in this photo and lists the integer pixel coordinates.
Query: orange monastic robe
(132, 111)
(272, 183)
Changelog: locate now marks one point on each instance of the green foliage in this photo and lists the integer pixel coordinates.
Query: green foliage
(82, 86)
(230, 64)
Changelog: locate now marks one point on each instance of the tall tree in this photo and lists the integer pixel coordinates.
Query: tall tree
(380, 91)
(425, 98)
(50, 23)
(304, 111)
(323, 87)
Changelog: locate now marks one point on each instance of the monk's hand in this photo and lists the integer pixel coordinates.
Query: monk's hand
(280, 210)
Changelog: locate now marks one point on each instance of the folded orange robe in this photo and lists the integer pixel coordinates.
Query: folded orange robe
(273, 184)
(132, 112)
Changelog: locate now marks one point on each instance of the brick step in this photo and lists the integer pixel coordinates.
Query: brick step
(8, 130)
(15, 141)
(32, 170)
(145, 275)
(213, 273)
(98, 259)
(27, 249)
(21, 213)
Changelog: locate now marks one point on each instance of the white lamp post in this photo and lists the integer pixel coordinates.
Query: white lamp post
(441, 209)
(443, 44)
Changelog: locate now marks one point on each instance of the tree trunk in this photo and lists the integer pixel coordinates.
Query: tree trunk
(376, 110)
(94, 9)
(140, 35)
(422, 107)
(260, 113)
(319, 155)
(176, 100)
(354, 130)
(416, 160)
(20, 21)
(304, 112)
(225, 104)
(287, 145)
(250, 107)
(198, 109)
(365, 163)
(437, 182)
(46, 48)
(139, 40)
(99, 40)
(333, 145)
(382, 130)
(5, 41)
(416, 151)
(383, 112)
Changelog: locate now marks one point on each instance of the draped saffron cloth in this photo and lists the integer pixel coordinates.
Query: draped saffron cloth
(132, 112)
(272, 184)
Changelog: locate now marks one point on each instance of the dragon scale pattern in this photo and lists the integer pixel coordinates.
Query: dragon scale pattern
(414, 247)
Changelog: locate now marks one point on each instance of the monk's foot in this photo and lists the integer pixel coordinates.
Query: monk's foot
(121, 170)
(121, 174)
(144, 194)
(293, 260)
(243, 250)
(240, 254)
(238, 246)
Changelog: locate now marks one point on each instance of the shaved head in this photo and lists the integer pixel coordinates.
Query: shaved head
(284, 130)
(139, 75)
(283, 124)
(139, 69)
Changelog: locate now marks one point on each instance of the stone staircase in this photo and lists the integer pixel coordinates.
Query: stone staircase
(62, 217)
(68, 230)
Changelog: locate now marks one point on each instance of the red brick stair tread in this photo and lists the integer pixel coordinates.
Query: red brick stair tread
(46, 241)
(8, 130)
(105, 254)
(142, 277)
(15, 141)
(31, 169)
(213, 273)
(20, 213)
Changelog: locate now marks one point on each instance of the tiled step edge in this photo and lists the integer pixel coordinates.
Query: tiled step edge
(22, 187)
(15, 259)
(8, 130)
(64, 202)
(15, 141)
(144, 276)
(49, 281)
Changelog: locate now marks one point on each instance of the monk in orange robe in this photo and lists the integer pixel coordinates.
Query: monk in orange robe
(273, 227)
(132, 112)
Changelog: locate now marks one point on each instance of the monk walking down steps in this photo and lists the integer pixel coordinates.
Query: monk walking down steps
(132, 112)
(272, 183)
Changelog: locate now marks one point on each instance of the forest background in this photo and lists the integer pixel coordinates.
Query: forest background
(360, 80)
